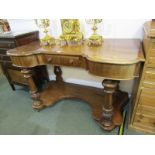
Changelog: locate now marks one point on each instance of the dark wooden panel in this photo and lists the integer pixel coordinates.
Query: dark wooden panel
(7, 44)
(27, 39)
(13, 74)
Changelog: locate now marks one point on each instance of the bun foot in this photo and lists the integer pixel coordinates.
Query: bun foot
(107, 128)
(37, 105)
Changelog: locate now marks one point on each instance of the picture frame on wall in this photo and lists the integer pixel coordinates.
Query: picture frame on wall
(4, 26)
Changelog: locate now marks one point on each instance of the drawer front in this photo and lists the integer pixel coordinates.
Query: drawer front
(147, 98)
(6, 58)
(149, 78)
(113, 71)
(145, 123)
(7, 44)
(153, 44)
(17, 76)
(1, 58)
(64, 60)
(152, 53)
(151, 62)
(3, 51)
(152, 48)
(149, 112)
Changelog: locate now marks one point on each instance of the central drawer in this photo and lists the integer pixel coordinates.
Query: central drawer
(64, 60)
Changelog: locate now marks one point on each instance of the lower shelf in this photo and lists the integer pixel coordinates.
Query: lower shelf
(56, 91)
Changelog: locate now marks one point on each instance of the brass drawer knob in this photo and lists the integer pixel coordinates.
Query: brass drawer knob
(71, 61)
(49, 59)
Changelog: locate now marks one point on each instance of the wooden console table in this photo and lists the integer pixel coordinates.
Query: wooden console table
(115, 60)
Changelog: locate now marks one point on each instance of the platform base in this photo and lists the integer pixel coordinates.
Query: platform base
(56, 91)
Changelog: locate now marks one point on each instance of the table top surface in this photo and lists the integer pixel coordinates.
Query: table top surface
(118, 51)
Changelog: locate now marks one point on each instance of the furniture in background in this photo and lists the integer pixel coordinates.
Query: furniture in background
(13, 74)
(143, 118)
(0, 70)
(115, 60)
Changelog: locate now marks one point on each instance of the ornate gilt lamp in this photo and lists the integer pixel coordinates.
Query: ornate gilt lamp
(44, 24)
(94, 39)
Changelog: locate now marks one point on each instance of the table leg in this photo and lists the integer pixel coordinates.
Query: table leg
(37, 103)
(58, 73)
(110, 87)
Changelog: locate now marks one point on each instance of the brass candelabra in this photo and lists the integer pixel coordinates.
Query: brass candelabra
(44, 24)
(94, 39)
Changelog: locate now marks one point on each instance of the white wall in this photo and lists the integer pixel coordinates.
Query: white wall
(108, 28)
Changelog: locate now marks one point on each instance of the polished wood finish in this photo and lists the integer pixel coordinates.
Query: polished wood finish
(111, 95)
(116, 51)
(116, 59)
(37, 104)
(93, 96)
(13, 74)
(143, 118)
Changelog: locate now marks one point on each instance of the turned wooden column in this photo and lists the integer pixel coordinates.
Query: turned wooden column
(110, 87)
(58, 73)
(37, 104)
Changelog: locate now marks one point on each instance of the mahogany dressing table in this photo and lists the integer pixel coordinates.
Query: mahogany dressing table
(115, 60)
